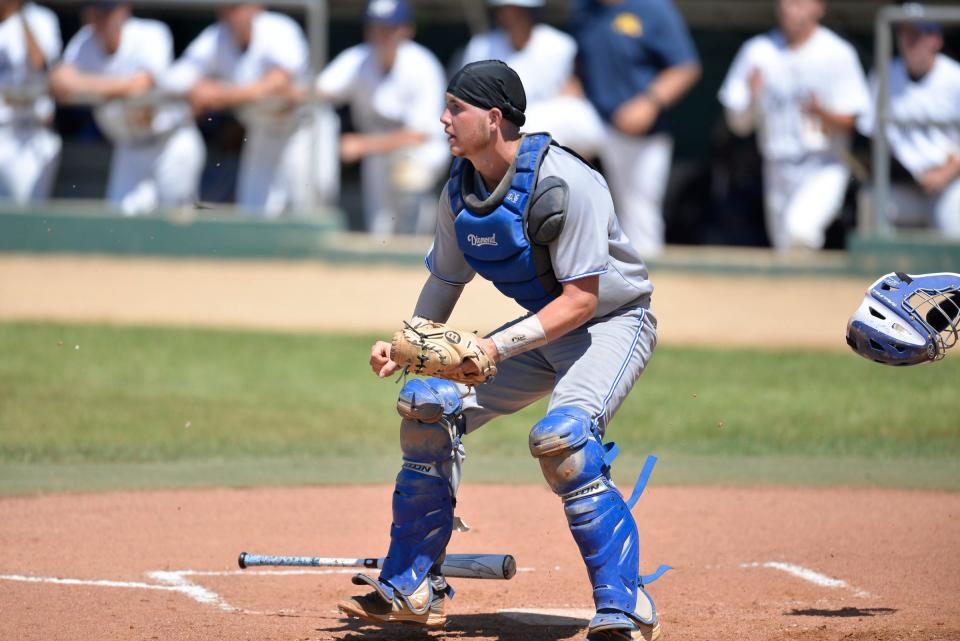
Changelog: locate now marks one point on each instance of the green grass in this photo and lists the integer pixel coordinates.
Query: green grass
(129, 407)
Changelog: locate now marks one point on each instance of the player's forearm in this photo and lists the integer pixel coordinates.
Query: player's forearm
(673, 83)
(837, 123)
(384, 143)
(66, 83)
(574, 307)
(275, 82)
(566, 313)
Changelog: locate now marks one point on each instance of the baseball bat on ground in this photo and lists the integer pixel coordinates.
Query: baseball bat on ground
(461, 566)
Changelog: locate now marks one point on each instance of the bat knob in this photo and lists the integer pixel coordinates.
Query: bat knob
(509, 566)
(242, 561)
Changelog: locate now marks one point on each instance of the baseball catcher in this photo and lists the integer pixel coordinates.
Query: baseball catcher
(907, 320)
(539, 223)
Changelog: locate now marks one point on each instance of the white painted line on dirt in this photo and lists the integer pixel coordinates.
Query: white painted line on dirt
(196, 592)
(88, 582)
(807, 575)
(173, 584)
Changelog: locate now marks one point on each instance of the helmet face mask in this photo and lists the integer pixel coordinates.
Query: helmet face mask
(907, 320)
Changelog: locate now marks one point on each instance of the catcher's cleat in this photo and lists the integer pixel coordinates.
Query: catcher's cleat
(384, 605)
(613, 625)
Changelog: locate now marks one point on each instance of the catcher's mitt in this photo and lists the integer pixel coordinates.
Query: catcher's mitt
(435, 349)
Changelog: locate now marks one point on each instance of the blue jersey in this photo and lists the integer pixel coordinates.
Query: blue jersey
(624, 46)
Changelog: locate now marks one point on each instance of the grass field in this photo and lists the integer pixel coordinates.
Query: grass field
(90, 407)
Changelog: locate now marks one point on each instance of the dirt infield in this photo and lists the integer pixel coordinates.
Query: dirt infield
(757, 564)
(751, 563)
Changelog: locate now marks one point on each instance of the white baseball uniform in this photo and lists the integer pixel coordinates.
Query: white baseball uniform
(545, 65)
(397, 187)
(804, 178)
(29, 149)
(935, 100)
(158, 153)
(277, 154)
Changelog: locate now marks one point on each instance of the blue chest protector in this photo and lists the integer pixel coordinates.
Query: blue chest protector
(505, 237)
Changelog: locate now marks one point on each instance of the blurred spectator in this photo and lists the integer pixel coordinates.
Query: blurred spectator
(29, 150)
(158, 152)
(802, 87)
(251, 61)
(924, 87)
(636, 60)
(544, 58)
(395, 90)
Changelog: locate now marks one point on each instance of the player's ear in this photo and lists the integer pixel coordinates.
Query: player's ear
(494, 118)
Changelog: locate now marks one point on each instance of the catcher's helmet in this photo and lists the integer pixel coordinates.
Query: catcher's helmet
(907, 320)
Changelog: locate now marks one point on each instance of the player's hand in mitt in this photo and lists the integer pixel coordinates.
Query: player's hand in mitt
(427, 348)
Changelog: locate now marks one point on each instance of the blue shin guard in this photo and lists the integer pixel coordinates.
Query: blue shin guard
(425, 492)
(576, 465)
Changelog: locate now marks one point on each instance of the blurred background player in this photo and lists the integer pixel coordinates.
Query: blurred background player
(801, 87)
(543, 57)
(158, 152)
(29, 149)
(924, 87)
(247, 57)
(394, 88)
(636, 60)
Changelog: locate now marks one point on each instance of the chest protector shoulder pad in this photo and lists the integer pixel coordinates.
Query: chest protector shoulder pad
(505, 237)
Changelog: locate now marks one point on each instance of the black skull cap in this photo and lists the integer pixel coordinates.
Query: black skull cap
(488, 84)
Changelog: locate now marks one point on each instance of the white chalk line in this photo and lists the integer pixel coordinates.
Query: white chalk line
(807, 575)
(176, 581)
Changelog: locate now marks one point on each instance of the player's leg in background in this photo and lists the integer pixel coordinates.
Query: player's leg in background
(260, 188)
(132, 187)
(312, 149)
(327, 134)
(45, 147)
(29, 158)
(815, 203)
(415, 172)
(179, 166)
(598, 366)
(378, 212)
(637, 170)
(779, 183)
(908, 206)
(947, 210)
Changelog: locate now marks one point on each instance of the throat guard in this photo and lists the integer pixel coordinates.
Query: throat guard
(505, 237)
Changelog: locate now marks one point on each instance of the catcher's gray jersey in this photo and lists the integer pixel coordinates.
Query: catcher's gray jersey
(591, 242)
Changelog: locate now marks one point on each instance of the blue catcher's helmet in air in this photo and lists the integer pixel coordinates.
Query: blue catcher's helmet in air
(907, 320)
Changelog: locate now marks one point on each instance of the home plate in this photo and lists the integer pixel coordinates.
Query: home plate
(558, 616)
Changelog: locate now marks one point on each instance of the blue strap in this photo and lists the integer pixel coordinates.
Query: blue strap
(610, 453)
(647, 579)
(642, 481)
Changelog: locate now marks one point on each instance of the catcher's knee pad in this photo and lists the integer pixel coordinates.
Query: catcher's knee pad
(576, 465)
(424, 496)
